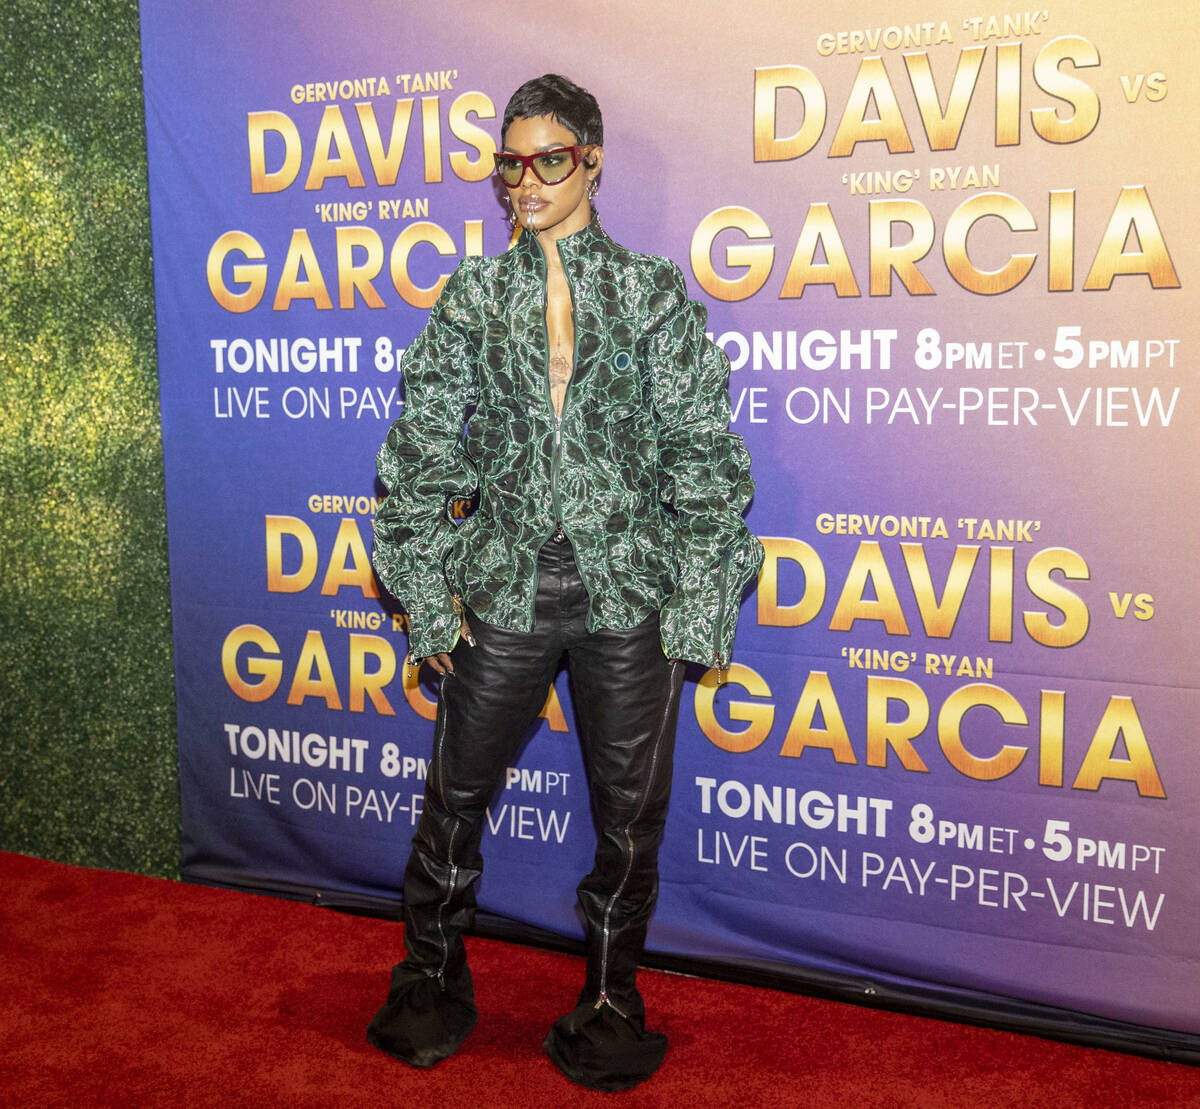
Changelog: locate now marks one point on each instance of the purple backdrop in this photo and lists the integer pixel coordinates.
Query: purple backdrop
(949, 262)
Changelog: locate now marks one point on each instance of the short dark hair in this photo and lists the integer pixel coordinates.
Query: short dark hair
(574, 108)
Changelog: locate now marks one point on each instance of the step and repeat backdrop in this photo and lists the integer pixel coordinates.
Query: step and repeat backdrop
(950, 261)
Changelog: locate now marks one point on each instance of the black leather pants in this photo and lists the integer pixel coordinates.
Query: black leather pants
(626, 698)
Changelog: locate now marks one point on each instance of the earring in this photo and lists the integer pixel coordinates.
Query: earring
(593, 188)
(512, 215)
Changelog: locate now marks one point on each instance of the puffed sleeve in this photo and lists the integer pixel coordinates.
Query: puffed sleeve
(704, 477)
(423, 467)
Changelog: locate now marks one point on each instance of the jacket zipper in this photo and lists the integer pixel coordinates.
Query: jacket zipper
(556, 454)
(603, 998)
(718, 630)
(555, 458)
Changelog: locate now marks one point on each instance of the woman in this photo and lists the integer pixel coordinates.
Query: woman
(609, 528)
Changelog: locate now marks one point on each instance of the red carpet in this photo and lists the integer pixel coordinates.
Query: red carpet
(120, 990)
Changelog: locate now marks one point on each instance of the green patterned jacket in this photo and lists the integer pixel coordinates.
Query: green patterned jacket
(642, 471)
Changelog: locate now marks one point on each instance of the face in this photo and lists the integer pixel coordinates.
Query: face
(550, 210)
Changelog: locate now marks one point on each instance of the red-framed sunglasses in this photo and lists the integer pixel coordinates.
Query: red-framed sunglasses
(550, 166)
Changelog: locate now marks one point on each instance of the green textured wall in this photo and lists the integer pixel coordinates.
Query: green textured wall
(87, 721)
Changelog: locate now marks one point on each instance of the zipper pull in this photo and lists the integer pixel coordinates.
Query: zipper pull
(603, 1000)
(722, 668)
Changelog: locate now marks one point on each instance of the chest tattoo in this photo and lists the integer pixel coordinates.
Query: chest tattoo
(560, 374)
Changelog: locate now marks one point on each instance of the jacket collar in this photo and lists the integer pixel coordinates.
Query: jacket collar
(577, 244)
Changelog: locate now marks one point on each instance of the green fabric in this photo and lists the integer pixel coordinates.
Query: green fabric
(642, 471)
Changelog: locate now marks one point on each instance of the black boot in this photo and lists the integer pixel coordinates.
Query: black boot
(425, 1018)
(603, 1042)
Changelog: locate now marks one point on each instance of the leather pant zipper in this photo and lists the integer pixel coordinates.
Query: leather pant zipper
(603, 998)
(453, 876)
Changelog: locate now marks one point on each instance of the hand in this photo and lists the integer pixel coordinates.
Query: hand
(441, 662)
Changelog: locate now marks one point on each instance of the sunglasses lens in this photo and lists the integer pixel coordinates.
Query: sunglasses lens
(554, 167)
(511, 170)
